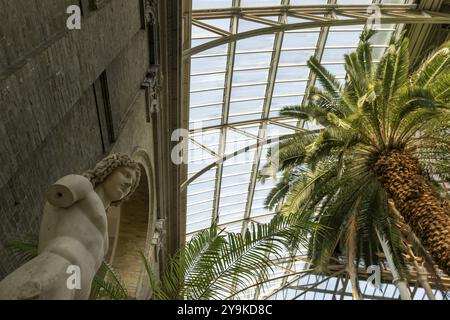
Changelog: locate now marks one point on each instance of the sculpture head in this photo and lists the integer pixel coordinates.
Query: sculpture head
(118, 175)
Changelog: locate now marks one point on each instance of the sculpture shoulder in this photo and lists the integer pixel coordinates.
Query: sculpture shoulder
(68, 190)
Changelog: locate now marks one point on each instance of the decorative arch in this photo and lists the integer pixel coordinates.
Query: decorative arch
(132, 229)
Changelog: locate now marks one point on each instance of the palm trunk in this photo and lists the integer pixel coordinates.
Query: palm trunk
(396, 279)
(426, 214)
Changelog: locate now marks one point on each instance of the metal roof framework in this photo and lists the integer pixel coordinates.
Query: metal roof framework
(243, 60)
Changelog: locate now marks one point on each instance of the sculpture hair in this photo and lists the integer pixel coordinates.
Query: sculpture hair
(106, 166)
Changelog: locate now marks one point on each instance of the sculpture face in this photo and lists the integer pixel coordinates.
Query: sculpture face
(118, 184)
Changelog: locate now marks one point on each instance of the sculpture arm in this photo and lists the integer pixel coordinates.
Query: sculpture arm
(68, 190)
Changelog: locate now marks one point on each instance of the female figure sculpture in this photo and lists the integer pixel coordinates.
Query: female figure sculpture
(74, 232)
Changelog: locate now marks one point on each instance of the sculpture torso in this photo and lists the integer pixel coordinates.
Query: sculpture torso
(78, 233)
(74, 235)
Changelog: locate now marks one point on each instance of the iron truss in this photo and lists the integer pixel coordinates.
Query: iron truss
(314, 16)
(294, 277)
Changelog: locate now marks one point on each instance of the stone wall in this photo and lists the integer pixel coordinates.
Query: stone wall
(48, 119)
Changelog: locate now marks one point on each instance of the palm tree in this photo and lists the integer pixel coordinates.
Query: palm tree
(220, 267)
(381, 137)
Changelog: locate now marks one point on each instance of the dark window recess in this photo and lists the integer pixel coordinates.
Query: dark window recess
(153, 40)
(142, 10)
(150, 22)
(104, 113)
(83, 4)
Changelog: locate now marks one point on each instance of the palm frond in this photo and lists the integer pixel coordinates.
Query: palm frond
(108, 285)
(436, 64)
(24, 250)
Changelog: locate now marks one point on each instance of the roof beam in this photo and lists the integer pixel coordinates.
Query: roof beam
(286, 125)
(223, 159)
(406, 14)
(321, 42)
(262, 134)
(308, 16)
(210, 28)
(261, 20)
(239, 124)
(225, 114)
(283, 9)
(211, 152)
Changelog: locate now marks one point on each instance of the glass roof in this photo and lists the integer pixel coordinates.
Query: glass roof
(236, 92)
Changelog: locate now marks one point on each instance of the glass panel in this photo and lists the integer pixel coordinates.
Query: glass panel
(343, 38)
(262, 219)
(209, 194)
(205, 113)
(337, 69)
(227, 216)
(223, 49)
(245, 92)
(246, 107)
(223, 24)
(279, 102)
(336, 55)
(200, 41)
(295, 20)
(198, 32)
(258, 43)
(236, 142)
(246, 25)
(377, 53)
(308, 2)
(234, 227)
(253, 60)
(289, 88)
(295, 57)
(216, 80)
(250, 76)
(204, 4)
(292, 73)
(226, 190)
(197, 165)
(234, 180)
(207, 176)
(244, 117)
(209, 139)
(204, 124)
(381, 37)
(201, 186)
(239, 197)
(206, 97)
(354, 1)
(257, 3)
(198, 224)
(251, 129)
(208, 64)
(200, 207)
(300, 40)
(351, 27)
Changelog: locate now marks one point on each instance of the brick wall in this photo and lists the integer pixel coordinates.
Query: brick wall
(48, 120)
(27, 25)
